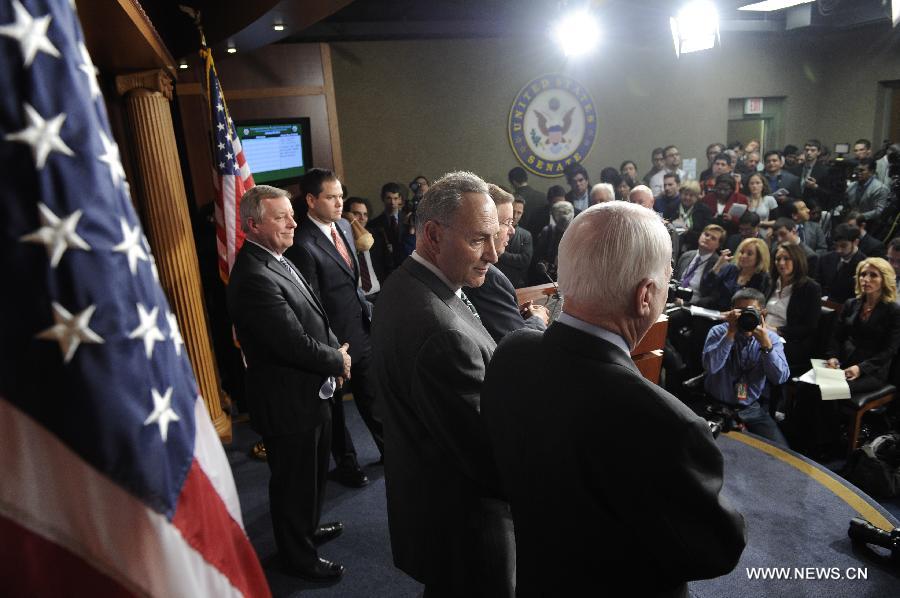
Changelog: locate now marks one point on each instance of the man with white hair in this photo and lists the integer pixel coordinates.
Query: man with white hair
(602, 193)
(557, 407)
(643, 196)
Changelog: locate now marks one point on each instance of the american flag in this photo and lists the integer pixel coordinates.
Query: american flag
(114, 481)
(232, 174)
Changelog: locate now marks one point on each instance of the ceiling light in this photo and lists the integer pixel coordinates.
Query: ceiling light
(772, 5)
(278, 27)
(695, 28)
(183, 65)
(231, 49)
(576, 33)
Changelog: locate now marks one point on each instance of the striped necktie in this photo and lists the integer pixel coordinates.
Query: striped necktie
(341, 248)
(469, 304)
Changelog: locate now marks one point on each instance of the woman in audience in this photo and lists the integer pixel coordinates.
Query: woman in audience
(759, 198)
(626, 184)
(794, 306)
(867, 332)
(629, 169)
(748, 269)
(864, 342)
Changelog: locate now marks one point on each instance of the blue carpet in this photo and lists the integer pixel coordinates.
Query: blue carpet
(793, 521)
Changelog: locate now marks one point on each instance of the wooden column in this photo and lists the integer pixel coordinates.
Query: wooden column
(163, 203)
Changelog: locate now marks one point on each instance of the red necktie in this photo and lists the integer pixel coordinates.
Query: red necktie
(365, 278)
(339, 245)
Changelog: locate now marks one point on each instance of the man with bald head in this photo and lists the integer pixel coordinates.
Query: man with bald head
(448, 530)
(555, 405)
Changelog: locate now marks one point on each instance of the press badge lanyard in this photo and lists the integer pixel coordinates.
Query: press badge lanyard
(743, 358)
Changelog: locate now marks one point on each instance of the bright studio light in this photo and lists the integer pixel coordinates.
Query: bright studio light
(576, 33)
(895, 12)
(695, 28)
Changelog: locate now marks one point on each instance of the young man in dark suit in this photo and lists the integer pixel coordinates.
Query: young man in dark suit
(449, 530)
(555, 405)
(837, 269)
(324, 252)
(389, 224)
(294, 362)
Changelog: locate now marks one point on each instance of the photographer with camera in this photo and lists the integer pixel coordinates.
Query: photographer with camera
(740, 357)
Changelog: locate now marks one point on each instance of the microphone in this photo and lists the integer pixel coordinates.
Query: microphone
(541, 268)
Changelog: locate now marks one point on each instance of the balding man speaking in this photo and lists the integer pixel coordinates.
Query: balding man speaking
(577, 430)
(431, 351)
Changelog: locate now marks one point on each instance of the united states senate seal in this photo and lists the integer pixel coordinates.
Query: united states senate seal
(552, 124)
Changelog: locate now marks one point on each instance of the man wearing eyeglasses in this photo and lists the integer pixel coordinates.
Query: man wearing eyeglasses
(449, 529)
(672, 157)
(495, 300)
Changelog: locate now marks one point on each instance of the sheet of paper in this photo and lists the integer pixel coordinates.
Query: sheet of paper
(831, 382)
(737, 210)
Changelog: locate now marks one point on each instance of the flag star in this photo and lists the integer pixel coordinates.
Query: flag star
(221, 165)
(110, 157)
(229, 155)
(162, 412)
(31, 33)
(147, 330)
(42, 135)
(88, 68)
(57, 234)
(174, 333)
(70, 331)
(221, 145)
(131, 246)
(220, 126)
(220, 107)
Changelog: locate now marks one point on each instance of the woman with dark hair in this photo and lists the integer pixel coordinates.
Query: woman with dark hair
(748, 269)
(794, 306)
(759, 198)
(629, 169)
(626, 184)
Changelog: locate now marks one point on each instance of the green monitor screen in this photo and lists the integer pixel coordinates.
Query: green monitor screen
(277, 150)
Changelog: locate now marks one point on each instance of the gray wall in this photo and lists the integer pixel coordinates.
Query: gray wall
(427, 107)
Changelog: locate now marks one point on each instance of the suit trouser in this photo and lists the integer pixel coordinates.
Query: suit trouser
(362, 387)
(490, 569)
(298, 463)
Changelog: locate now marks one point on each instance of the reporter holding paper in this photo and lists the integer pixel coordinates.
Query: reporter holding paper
(867, 333)
(865, 340)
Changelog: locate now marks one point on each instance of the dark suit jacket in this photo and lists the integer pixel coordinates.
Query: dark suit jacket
(533, 199)
(286, 340)
(785, 180)
(335, 283)
(559, 438)
(838, 283)
(430, 355)
(872, 344)
(803, 312)
(872, 247)
(823, 194)
(516, 260)
(382, 232)
(814, 237)
(684, 262)
(496, 303)
(700, 217)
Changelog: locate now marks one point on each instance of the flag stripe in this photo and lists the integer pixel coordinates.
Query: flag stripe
(24, 560)
(206, 525)
(106, 527)
(208, 452)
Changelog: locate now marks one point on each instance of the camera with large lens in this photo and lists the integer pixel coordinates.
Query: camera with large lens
(749, 319)
(678, 292)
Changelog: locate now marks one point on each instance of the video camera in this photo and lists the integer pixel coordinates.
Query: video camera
(863, 532)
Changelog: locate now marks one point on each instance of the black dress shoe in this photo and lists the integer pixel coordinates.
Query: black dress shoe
(327, 532)
(322, 571)
(352, 476)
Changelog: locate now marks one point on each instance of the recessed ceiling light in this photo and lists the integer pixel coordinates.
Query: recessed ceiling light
(278, 27)
(773, 5)
(183, 65)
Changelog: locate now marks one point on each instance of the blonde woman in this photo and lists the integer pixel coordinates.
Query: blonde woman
(749, 268)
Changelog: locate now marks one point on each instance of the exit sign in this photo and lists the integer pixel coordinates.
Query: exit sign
(753, 106)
